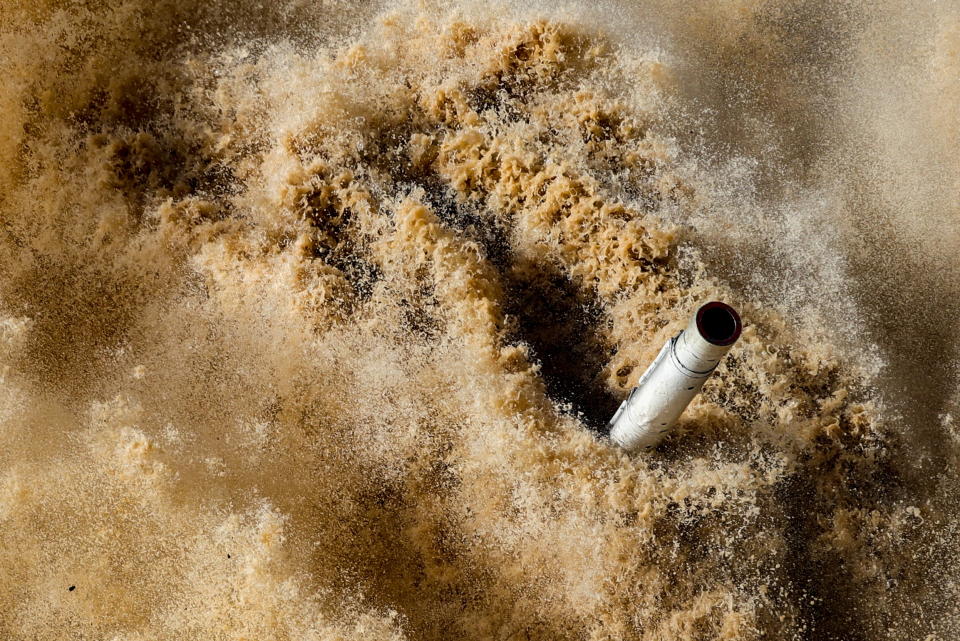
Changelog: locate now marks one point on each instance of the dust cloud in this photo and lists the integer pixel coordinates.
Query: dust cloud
(312, 315)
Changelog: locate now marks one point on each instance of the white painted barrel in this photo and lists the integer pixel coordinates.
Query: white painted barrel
(675, 377)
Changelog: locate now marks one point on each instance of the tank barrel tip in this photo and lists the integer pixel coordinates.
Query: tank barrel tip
(675, 377)
(718, 323)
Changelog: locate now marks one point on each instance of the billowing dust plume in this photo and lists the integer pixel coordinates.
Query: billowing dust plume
(312, 315)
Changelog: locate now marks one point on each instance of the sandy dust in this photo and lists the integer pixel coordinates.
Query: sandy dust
(312, 316)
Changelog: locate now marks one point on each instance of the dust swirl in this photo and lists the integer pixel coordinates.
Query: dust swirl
(310, 324)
